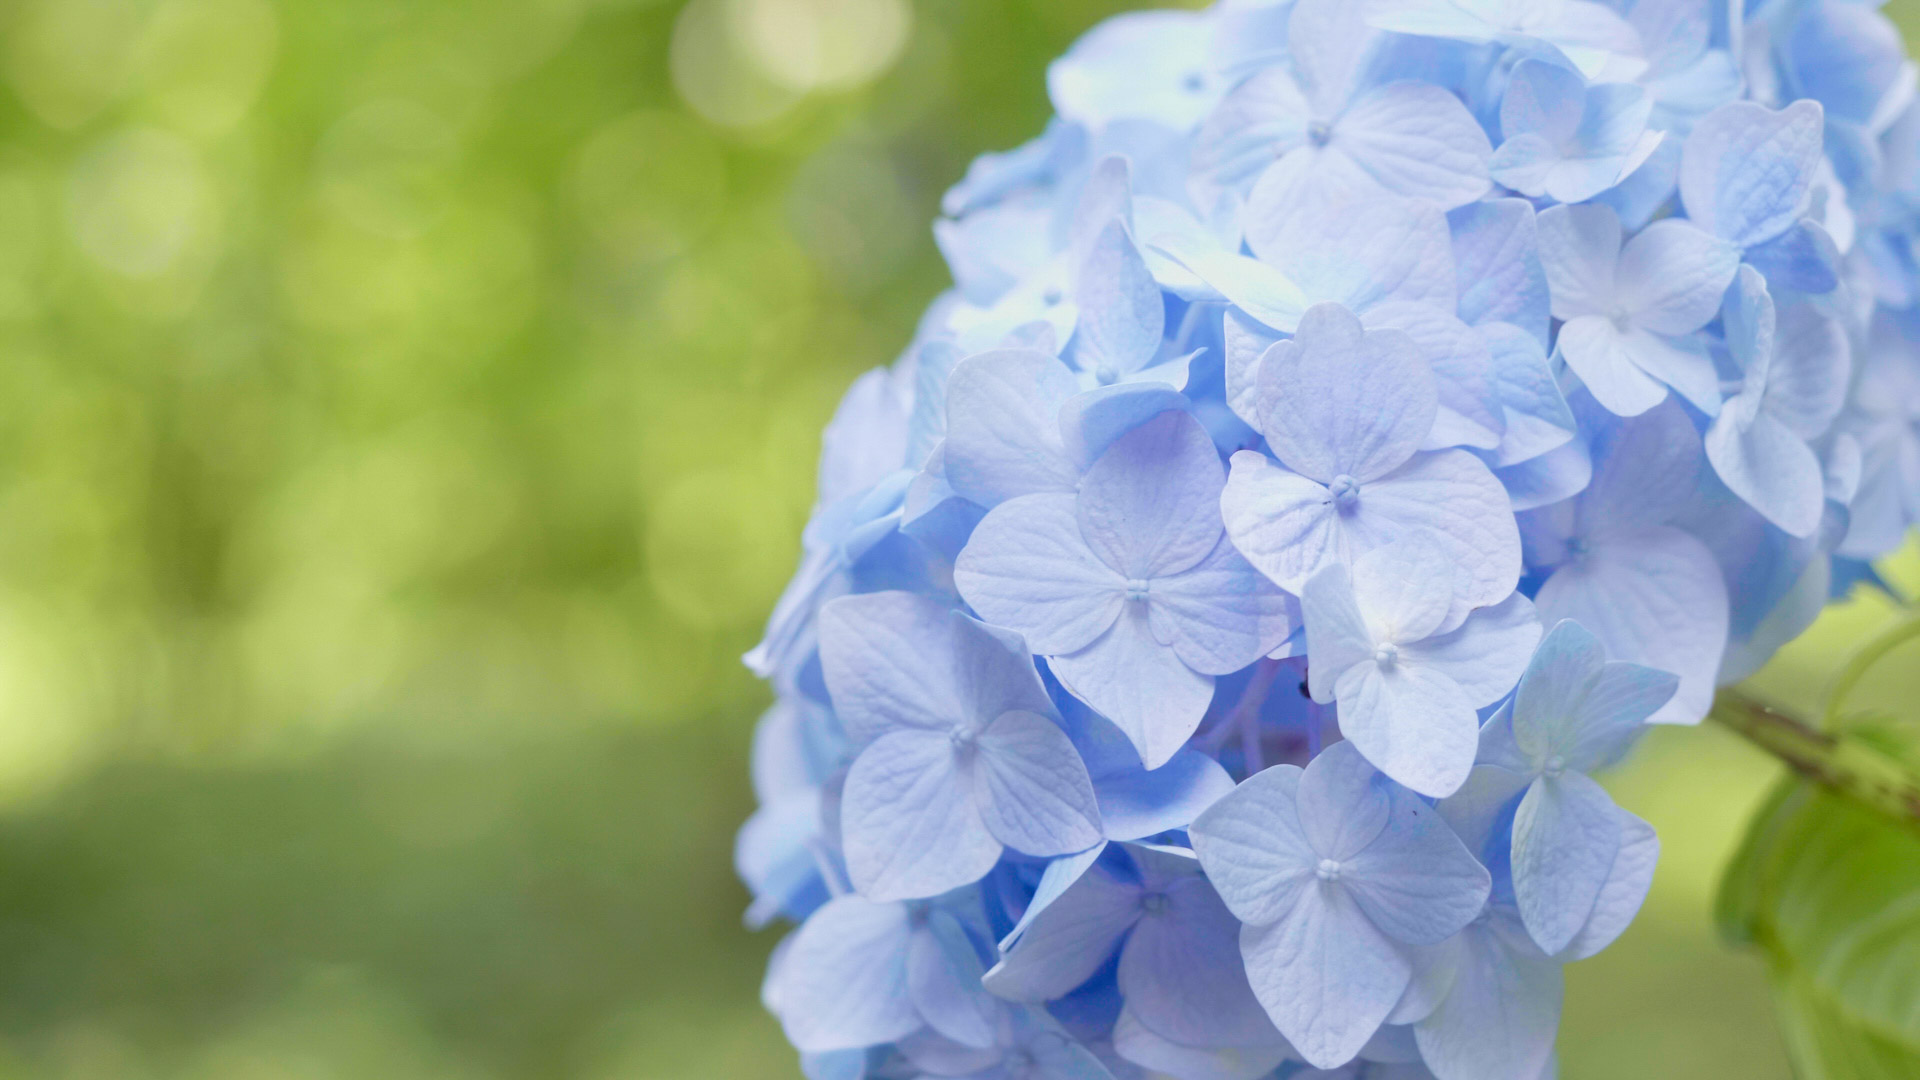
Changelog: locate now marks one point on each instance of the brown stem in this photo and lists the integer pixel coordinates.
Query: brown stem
(1849, 766)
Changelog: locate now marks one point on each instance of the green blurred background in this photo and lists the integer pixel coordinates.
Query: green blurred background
(407, 415)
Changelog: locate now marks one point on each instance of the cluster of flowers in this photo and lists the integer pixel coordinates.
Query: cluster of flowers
(1390, 407)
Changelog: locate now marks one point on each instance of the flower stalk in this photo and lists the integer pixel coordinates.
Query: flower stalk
(1845, 764)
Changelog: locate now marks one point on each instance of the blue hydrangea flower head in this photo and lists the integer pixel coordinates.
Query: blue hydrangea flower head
(1163, 690)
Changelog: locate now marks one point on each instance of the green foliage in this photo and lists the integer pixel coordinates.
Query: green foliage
(1828, 888)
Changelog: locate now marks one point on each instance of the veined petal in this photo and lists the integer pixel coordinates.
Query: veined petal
(1418, 140)
(1285, 524)
(843, 977)
(908, 821)
(1069, 940)
(1222, 614)
(1345, 401)
(1031, 787)
(1579, 251)
(1499, 1020)
(1338, 637)
(1140, 684)
(1412, 723)
(1626, 888)
(1485, 655)
(1151, 505)
(1597, 352)
(1416, 881)
(1327, 976)
(1003, 428)
(1672, 275)
(1253, 848)
(1027, 568)
(1344, 802)
(1565, 836)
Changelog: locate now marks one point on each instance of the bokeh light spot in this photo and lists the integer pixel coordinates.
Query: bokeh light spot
(136, 200)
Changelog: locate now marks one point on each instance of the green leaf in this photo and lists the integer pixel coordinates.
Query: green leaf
(1830, 889)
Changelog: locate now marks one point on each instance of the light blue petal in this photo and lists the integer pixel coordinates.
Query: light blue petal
(1412, 723)
(1253, 849)
(1579, 250)
(1259, 122)
(1150, 507)
(1746, 169)
(1070, 938)
(1031, 787)
(1404, 589)
(1479, 811)
(1548, 703)
(1027, 568)
(1338, 637)
(1346, 401)
(1137, 66)
(1560, 473)
(1655, 598)
(1486, 654)
(1055, 880)
(1327, 976)
(1499, 1020)
(1138, 802)
(909, 822)
(1610, 366)
(1451, 500)
(1181, 973)
(1344, 803)
(1534, 412)
(1246, 343)
(1003, 428)
(1565, 836)
(1771, 468)
(1417, 140)
(1135, 1042)
(1496, 249)
(888, 663)
(1543, 99)
(1358, 248)
(1526, 162)
(843, 977)
(1806, 384)
(1122, 315)
(1416, 881)
(1644, 192)
(1612, 123)
(1469, 414)
(1624, 892)
(1283, 523)
(1222, 614)
(943, 977)
(1141, 685)
(1256, 289)
(1803, 259)
(1090, 422)
(1613, 714)
(1672, 275)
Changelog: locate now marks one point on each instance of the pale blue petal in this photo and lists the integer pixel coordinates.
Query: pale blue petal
(1416, 139)
(1613, 713)
(943, 977)
(1560, 473)
(1092, 421)
(1137, 682)
(1150, 507)
(1358, 248)
(1283, 523)
(1344, 803)
(1181, 973)
(1031, 787)
(1548, 703)
(1804, 259)
(1253, 849)
(1655, 598)
(843, 977)
(909, 822)
(1122, 315)
(1454, 502)
(888, 663)
(1499, 1020)
(1139, 802)
(1069, 940)
(1526, 163)
(1137, 1043)
(1469, 413)
(1338, 637)
(1256, 289)
(1027, 568)
(1672, 275)
(1137, 66)
(1246, 343)
(1404, 590)
(1607, 364)
(1624, 892)
(1412, 723)
(1222, 614)
(1543, 99)
(1327, 976)
(1259, 122)
(1497, 253)
(1486, 654)
(1579, 250)
(1416, 881)
(1565, 837)
(1534, 412)
(1746, 168)
(1346, 401)
(1478, 812)
(1771, 468)
(1055, 880)
(1807, 382)
(1003, 428)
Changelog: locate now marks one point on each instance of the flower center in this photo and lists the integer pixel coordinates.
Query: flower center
(1107, 374)
(1319, 132)
(1328, 870)
(1622, 321)
(963, 741)
(1345, 490)
(1052, 296)
(1154, 903)
(1556, 765)
(1138, 588)
(1386, 654)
